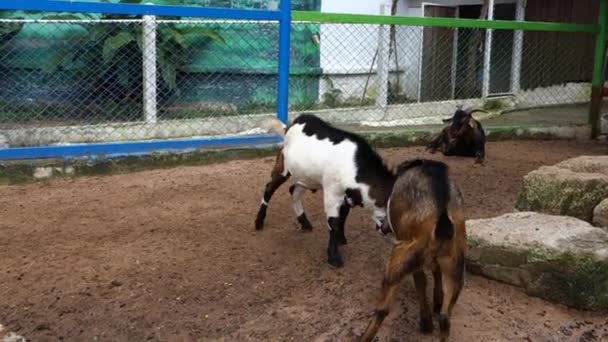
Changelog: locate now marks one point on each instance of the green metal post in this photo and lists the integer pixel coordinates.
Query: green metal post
(598, 70)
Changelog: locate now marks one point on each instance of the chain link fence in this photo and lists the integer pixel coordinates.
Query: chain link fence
(98, 80)
(401, 76)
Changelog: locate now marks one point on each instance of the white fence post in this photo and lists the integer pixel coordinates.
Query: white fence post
(382, 65)
(149, 67)
(518, 44)
(487, 54)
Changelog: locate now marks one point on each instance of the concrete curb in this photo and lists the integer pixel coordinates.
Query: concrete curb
(23, 171)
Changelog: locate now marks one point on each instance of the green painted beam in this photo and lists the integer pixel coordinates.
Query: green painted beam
(338, 18)
(600, 45)
(598, 70)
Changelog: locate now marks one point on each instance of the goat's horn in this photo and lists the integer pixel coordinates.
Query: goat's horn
(474, 110)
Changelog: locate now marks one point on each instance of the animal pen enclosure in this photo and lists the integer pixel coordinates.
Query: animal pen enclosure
(109, 79)
(171, 254)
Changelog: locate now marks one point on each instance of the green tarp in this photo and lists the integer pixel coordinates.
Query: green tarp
(247, 47)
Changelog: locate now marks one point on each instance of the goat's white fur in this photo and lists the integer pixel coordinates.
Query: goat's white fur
(298, 192)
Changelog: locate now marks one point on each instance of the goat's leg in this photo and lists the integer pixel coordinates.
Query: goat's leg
(437, 291)
(440, 141)
(479, 145)
(297, 191)
(278, 176)
(426, 318)
(452, 270)
(344, 210)
(405, 258)
(333, 202)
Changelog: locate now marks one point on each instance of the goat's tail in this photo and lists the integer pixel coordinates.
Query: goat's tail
(274, 125)
(440, 184)
(445, 228)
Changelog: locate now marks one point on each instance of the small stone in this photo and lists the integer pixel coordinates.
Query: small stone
(42, 326)
(115, 283)
(565, 331)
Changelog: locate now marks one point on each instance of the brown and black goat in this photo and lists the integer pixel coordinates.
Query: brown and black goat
(464, 137)
(425, 212)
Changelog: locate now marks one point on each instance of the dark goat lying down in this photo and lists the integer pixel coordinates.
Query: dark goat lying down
(464, 137)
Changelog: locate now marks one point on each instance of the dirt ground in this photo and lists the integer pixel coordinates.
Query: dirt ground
(172, 255)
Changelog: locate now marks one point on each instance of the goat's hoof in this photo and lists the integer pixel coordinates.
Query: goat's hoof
(336, 262)
(426, 326)
(259, 225)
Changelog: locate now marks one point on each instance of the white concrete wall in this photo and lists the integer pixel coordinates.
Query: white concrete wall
(347, 51)
(348, 48)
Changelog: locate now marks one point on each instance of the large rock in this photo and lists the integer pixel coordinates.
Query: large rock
(600, 214)
(573, 187)
(6, 336)
(558, 258)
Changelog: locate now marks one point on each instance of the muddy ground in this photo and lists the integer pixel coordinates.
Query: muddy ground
(172, 255)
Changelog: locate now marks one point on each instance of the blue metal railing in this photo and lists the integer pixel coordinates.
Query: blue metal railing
(282, 15)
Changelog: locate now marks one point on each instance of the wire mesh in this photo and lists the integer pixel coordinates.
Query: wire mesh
(115, 79)
(68, 81)
(382, 75)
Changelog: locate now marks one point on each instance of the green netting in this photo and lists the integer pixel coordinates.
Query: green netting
(41, 44)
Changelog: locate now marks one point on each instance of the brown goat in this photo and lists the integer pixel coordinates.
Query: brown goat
(425, 212)
(464, 137)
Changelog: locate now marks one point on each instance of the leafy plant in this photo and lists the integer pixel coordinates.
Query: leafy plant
(493, 105)
(396, 93)
(331, 97)
(119, 48)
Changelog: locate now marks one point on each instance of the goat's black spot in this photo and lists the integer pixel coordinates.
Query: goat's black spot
(372, 171)
(323, 130)
(355, 197)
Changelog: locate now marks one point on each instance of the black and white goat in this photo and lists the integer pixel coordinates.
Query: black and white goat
(464, 137)
(320, 156)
